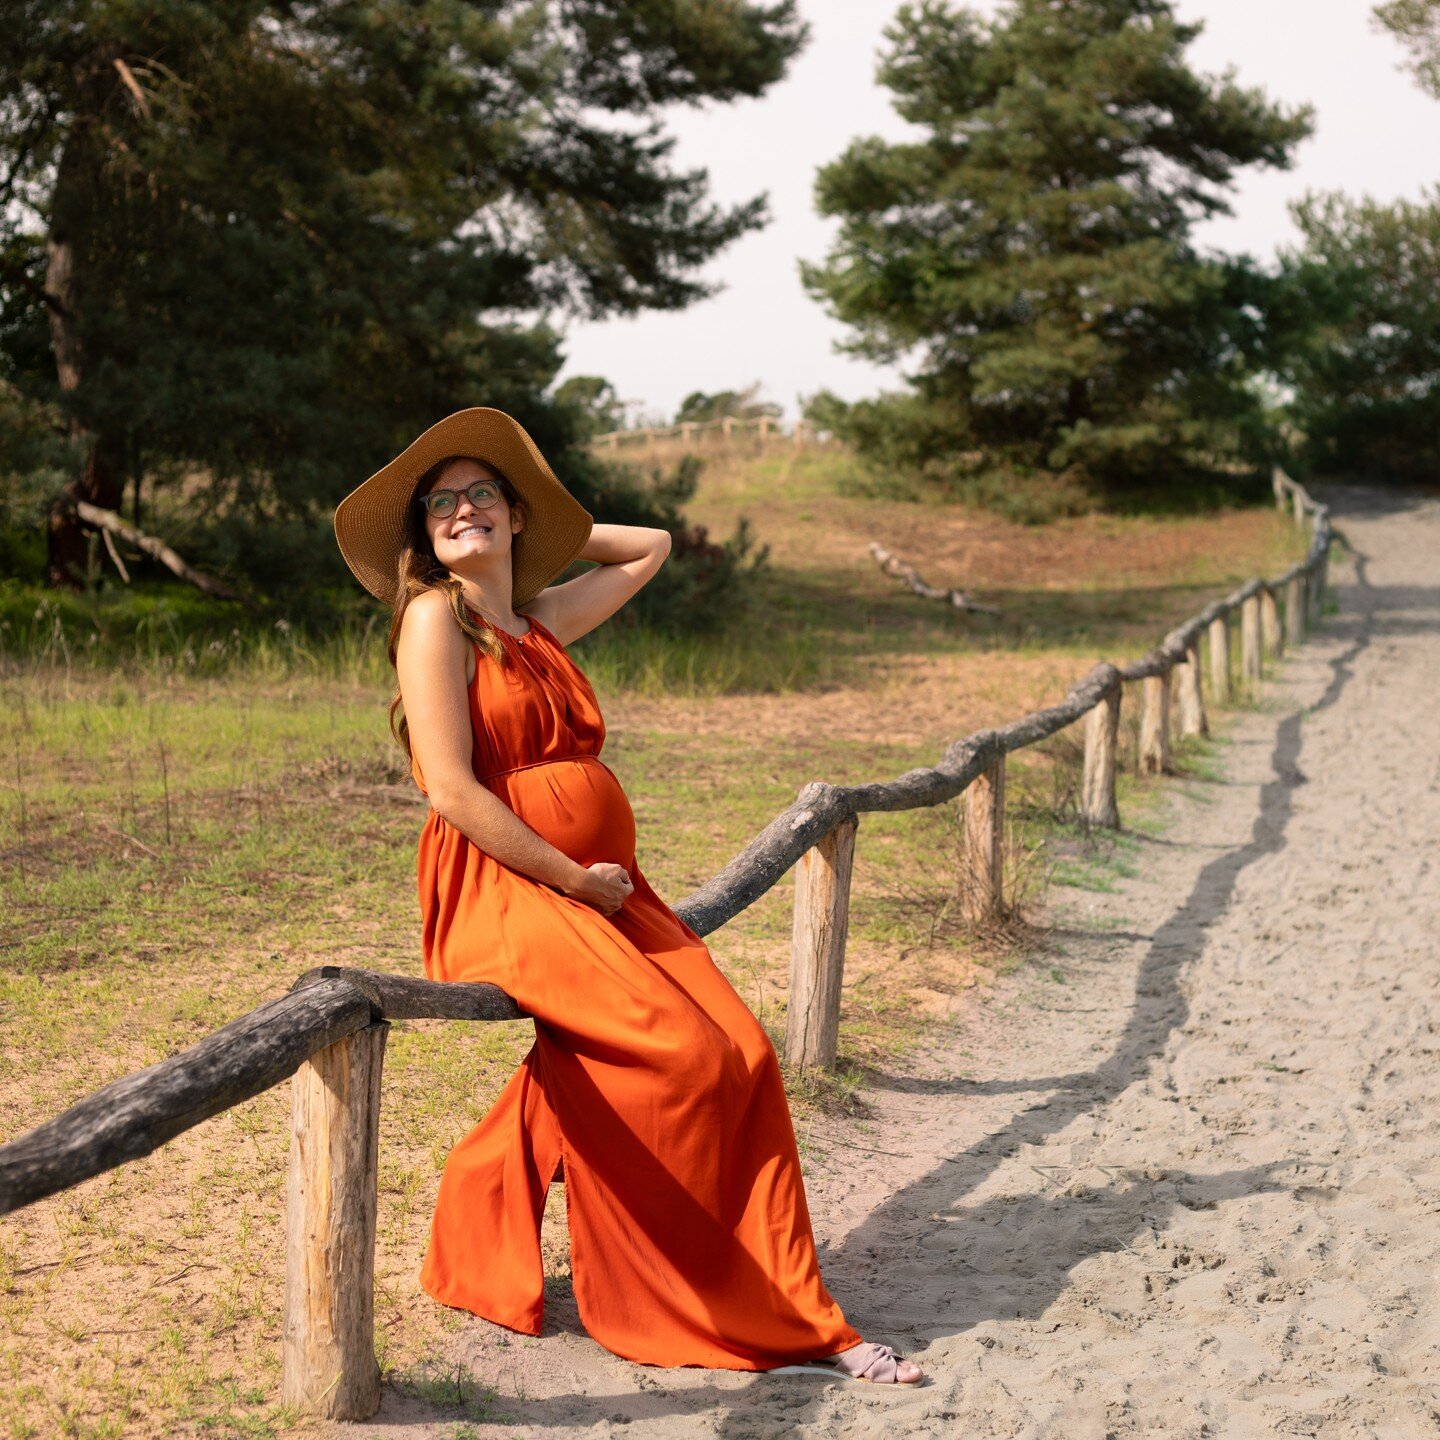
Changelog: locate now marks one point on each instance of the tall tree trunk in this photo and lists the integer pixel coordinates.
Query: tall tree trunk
(101, 483)
(65, 542)
(136, 472)
(102, 478)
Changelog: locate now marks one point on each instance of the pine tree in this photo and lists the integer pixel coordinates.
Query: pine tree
(1364, 357)
(1416, 24)
(269, 242)
(1357, 335)
(700, 406)
(1029, 257)
(593, 399)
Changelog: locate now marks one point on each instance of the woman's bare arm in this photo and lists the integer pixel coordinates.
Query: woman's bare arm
(627, 556)
(430, 661)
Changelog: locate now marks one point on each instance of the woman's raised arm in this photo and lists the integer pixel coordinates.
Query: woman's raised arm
(627, 556)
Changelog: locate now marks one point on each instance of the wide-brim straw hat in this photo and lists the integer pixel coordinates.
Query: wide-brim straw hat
(370, 522)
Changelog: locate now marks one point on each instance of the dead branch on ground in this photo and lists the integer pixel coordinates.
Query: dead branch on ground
(894, 565)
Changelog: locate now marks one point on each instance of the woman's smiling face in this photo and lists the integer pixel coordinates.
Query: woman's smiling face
(470, 531)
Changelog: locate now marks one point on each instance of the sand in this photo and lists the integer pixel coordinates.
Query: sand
(1179, 1177)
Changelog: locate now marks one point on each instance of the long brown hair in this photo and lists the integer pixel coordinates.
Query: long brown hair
(420, 571)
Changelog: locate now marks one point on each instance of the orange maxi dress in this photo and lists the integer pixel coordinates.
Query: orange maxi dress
(650, 1084)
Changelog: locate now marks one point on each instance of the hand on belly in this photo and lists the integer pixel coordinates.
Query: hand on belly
(577, 805)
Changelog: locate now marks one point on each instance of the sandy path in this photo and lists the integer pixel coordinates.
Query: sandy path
(1192, 1187)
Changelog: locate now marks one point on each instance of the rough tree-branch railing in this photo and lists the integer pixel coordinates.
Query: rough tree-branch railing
(329, 1031)
(764, 429)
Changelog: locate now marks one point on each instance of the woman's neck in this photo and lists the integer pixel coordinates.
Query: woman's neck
(485, 605)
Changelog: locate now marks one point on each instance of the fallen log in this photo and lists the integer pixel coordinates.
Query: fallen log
(108, 523)
(893, 565)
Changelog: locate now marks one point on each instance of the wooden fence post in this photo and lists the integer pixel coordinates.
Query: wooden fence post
(328, 1346)
(1295, 609)
(1299, 509)
(817, 948)
(1250, 640)
(983, 880)
(1155, 726)
(1220, 659)
(1190, 699)
(1102, 739)
(1315, 592)
(1270, 624)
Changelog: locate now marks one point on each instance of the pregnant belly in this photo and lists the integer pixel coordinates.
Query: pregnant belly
(576, 804)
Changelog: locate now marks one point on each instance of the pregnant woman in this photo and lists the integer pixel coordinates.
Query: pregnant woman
(650, 1086)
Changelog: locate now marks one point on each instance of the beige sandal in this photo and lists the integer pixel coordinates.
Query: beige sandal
(874, 1364)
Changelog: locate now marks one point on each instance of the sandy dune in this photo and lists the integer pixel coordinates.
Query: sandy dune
(1191, 1187)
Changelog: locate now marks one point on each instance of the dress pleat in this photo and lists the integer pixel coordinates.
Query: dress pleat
(650, 1085)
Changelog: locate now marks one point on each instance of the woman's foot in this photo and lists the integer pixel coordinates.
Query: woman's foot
(878, 1364)
(874, 1364)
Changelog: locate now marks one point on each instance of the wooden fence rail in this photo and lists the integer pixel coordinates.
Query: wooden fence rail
(763, 430)
(329, 1031)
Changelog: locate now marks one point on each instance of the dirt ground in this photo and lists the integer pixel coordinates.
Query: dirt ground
(1181, 1175)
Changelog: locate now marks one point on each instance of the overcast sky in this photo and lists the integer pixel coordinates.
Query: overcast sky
(1376, 133)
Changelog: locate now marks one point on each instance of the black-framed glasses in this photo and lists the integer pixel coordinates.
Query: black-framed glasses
(440, 503)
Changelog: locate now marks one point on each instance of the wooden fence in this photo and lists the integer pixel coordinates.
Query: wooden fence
(730, 429)
(329, 1031)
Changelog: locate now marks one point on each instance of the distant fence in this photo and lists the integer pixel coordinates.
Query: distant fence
(329, 1031)
(730, 429)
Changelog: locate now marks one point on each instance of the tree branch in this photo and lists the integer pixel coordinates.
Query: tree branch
(894, 565)
(108, 522)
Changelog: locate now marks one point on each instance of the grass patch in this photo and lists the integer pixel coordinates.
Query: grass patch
(451, 1391)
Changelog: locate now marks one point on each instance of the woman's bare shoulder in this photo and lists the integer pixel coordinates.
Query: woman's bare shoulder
(428, 630)
(428, 603)
(429, 614)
